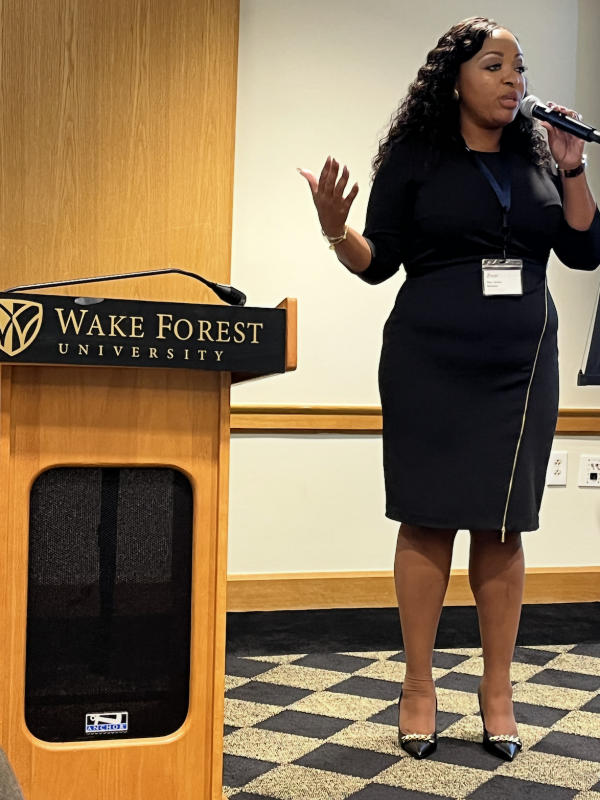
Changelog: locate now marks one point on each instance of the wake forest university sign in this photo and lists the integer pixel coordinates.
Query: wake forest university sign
(45, 329)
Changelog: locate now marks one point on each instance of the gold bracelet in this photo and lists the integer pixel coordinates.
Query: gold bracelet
(333, 240)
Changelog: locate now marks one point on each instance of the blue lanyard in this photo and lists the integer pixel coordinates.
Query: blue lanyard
(501, 190)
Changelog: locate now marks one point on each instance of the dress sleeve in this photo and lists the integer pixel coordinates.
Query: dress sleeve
(390, 213)
(577, 249)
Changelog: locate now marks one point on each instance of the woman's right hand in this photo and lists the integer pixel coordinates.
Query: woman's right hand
(328, 196)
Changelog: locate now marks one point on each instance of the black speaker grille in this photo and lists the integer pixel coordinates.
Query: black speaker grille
(109, 602)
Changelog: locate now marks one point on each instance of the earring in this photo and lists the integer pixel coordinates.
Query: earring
(456, 96)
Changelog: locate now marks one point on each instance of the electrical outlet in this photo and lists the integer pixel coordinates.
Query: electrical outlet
(589, 471)
(557, 468)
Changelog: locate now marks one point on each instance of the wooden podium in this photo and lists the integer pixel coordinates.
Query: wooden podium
(73, 407)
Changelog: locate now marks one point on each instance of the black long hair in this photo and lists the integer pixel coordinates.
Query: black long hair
(430, 111)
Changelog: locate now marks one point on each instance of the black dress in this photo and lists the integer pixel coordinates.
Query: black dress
(468, 382)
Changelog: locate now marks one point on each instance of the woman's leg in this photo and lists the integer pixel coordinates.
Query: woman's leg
(421, 571)
(496, 575)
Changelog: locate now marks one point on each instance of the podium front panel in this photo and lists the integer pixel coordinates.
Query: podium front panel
(105, 451)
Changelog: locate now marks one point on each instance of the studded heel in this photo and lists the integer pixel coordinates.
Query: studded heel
(417, 745)
(504, 745)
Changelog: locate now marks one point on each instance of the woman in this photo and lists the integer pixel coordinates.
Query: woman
(468, 373)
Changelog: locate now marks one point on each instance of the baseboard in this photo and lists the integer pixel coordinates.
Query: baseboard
(314, 590)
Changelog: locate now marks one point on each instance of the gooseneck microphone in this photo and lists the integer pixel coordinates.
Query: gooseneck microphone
(229, 294)
(532, 107)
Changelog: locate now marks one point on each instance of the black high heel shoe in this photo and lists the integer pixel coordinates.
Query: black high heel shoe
(417, 745)
(503, 746)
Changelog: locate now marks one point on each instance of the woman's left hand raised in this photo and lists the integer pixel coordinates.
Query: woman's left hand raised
(566, 149)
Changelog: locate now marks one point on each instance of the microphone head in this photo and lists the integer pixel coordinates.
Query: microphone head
(229, 294)
(528, 104)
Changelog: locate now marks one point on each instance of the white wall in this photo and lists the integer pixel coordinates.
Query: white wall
(319, 77)
(314, 503)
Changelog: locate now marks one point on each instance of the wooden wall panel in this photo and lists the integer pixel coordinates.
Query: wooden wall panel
(116, 141)
(117, 125)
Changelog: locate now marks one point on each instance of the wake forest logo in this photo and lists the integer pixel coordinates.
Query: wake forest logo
(109, 722)
(20, 323)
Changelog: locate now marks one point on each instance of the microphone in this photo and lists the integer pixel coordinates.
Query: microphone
(229, 294)
(532, 107)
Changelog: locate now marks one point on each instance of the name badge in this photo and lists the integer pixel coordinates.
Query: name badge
(502, 276)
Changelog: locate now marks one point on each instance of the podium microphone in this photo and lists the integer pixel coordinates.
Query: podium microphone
(532, 107)
(229, 294)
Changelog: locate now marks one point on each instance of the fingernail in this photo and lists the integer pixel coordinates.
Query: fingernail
(299, 169)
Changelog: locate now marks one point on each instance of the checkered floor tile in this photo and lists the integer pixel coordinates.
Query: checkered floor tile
(323, 727)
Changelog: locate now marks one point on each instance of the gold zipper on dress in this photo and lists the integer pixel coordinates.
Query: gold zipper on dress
(525, 409)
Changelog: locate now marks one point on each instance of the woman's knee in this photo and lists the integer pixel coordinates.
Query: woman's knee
(490, 557)
(422, 537)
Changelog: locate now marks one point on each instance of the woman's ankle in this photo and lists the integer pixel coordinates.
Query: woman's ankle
(418, 705)
(496, 684)
(419, 685)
